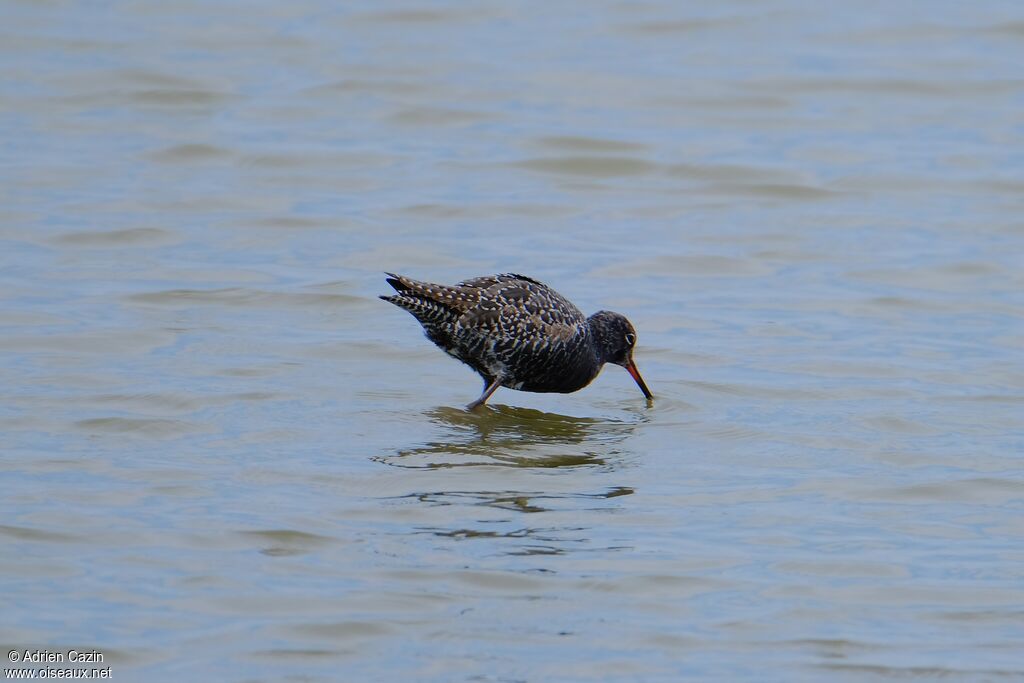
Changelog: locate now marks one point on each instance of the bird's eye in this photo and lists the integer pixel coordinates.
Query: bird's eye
(630, 339)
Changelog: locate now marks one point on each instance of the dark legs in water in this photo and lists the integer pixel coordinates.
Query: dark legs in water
(488, 390)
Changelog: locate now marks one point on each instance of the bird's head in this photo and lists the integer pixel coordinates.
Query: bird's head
(615, 339)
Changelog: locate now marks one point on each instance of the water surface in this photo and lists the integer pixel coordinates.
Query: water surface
(224, 458)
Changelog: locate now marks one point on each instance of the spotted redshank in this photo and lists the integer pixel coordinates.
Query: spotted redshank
(518, 333)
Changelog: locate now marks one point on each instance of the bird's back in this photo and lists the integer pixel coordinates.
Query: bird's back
(504, 325)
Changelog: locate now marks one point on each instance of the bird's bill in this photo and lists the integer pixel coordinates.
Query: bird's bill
(631, 369)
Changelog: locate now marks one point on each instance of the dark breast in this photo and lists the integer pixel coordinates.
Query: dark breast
(562, 368)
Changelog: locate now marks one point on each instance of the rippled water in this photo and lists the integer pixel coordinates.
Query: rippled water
(225, 459)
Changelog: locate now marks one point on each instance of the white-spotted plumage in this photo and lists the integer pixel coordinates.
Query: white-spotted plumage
(517, 332)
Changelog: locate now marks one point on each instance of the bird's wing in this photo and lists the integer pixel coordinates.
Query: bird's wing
(519, 310)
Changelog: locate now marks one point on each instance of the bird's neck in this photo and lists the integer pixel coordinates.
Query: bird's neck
(598, 342)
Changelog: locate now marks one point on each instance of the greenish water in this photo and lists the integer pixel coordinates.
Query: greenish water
(224, 458)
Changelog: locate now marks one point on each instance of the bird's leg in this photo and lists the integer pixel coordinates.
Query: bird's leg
(488, 390)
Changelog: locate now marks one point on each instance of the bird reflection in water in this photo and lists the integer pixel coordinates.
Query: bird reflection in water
(504, 436)
(514, 437)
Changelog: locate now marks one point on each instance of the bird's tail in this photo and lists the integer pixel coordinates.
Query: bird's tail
(429, 303)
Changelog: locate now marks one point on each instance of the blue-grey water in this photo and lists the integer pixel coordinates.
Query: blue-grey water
(223, 458)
